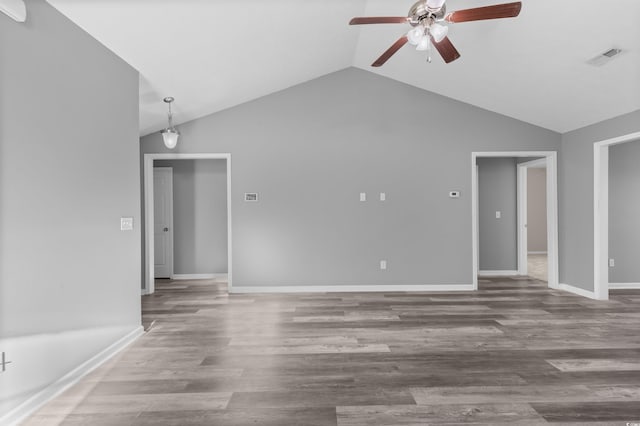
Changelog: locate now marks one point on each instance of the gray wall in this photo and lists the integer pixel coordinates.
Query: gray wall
(536, 209)
(311, 149)
(199, 215)
(69, 167)
(575, 198)
(497, 191)
(624, 212)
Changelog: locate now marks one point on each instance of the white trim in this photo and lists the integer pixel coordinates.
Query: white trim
(537, 252)
(601, 212)
(28, 407)
(148, 210)
(620, 286)
(552, 206)
(523, 236)
(501, 273)
(352, 288)
(474, 222)
(576, 290)
(179, 277)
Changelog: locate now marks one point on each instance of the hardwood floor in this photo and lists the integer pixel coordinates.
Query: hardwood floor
(513, 352)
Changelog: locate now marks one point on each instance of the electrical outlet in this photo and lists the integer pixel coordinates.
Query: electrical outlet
(126, 224)
(612, 263)
(383, 264)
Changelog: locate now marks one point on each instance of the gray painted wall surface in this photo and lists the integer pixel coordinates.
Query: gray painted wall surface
(69, 167)
(536, 209)
(575, 199)
(497, 191)
(311, 149)
(624, 212)
(199, 215)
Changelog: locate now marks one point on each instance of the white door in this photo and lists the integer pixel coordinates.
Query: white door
(163, 221)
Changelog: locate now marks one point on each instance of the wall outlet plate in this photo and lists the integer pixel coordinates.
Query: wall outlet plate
(126, 224)
(454, 194)
(251, 196)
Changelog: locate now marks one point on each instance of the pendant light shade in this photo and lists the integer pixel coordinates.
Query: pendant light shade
(170, 134)
(170, 138)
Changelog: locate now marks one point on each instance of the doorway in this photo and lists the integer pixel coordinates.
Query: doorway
(149, 269)
(601, 212)
(163, 222)
(532, 219)
(550, 157)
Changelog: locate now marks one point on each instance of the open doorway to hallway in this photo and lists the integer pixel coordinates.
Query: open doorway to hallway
(500, 216)
(532, 221)
(195, 213)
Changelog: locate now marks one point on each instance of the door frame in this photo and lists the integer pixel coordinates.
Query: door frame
(170, 255)
(601, 212)
(149, 273)
(552, 208)
(523, 190)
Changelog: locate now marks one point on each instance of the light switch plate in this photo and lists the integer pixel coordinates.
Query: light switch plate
(363, 196)
(383, 264)
(383, 196)
(126, 224)
(498, 215)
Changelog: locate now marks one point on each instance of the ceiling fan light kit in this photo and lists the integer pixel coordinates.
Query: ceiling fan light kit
(427, 18)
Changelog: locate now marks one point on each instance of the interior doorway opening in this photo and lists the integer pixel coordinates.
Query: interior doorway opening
(184, 263)
(532, 219)
(601, 264)
(517, 247)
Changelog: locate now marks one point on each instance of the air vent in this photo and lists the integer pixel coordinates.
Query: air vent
(604, 57)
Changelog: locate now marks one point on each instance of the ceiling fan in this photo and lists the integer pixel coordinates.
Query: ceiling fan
(425, 18)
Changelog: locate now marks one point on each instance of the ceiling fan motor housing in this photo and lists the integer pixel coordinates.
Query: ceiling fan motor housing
(420, 11)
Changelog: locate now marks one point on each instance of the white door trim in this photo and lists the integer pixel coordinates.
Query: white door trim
(601, 212)
(551, 157)
(169, 255)
(148, 210)
(522, 193)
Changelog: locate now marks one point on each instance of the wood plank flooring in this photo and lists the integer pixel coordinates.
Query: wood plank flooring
(513, 352)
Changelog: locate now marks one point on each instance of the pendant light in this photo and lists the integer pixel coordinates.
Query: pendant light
(170, 134)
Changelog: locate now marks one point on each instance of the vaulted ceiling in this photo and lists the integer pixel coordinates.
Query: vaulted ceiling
(214, 54)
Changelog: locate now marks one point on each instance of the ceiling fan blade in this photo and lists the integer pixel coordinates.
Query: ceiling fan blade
(390, 51)
(379, 20)
(507, 10)
(446, 49)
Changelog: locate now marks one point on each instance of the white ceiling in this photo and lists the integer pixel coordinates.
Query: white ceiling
(214, 54)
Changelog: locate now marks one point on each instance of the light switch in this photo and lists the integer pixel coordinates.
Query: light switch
(383, 264)
(454, 194)
(383, 196)
(498, 215)
(363, 196)
(126, 224)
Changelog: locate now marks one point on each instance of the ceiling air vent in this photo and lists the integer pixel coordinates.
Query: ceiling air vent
(604, 57)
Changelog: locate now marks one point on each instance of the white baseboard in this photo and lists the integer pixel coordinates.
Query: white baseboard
(351, 288)
(49, 391)
(537, 252)
(620, 286)
(576, 290)
(503, 273)
(198, 276)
